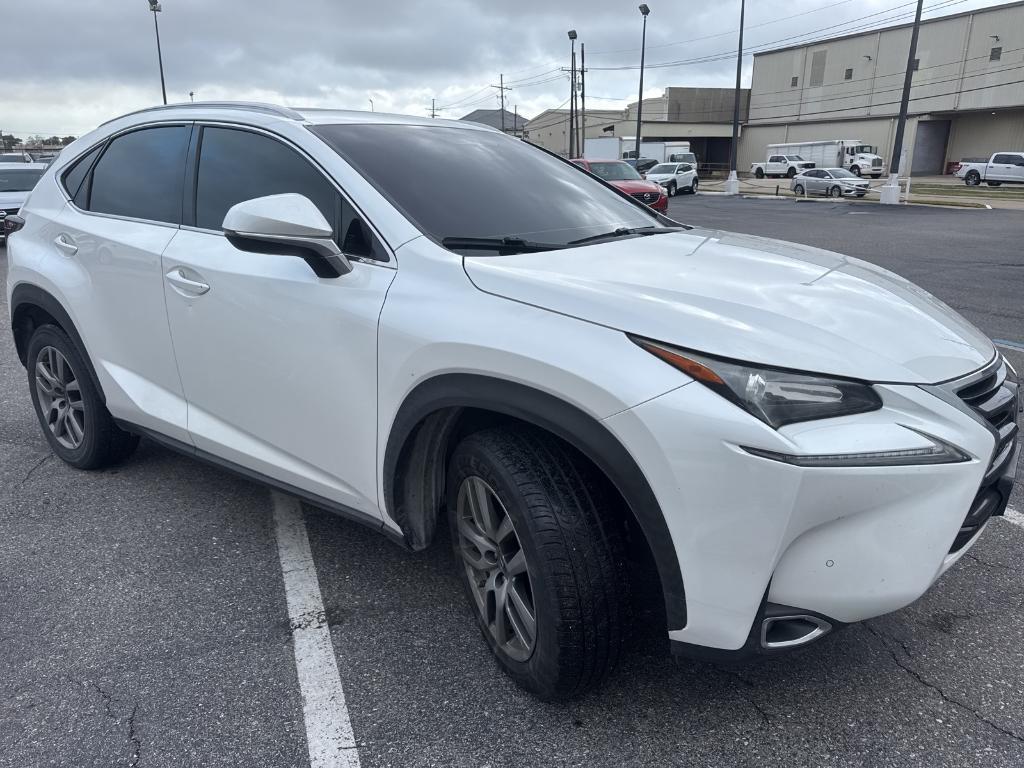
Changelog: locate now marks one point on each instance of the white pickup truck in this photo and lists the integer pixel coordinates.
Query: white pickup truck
(1001, 168)
(781, 165)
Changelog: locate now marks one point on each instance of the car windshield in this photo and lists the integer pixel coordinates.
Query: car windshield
(614, 171)
(662, 168)
(432, 174)
(19, 179)
(841, 173)
(793, 157)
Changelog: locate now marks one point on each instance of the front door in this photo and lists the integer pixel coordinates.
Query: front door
(279, 366)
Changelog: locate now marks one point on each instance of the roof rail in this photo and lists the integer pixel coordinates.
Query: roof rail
(250, 106)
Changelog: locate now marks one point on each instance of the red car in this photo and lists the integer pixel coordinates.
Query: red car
(624, 176)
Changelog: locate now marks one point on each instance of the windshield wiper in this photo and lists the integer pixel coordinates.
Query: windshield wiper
(624, 231)
(500, 244)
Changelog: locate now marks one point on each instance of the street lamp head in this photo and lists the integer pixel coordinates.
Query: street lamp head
(644, 9)
(154, 6)
(572, 34)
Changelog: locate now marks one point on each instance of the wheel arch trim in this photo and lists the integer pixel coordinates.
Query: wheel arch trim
(418, 439)
(25, 296)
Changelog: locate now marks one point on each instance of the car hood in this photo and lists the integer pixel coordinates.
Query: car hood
(749, 298)
(659, 176)
(635, 187)
(12, 199)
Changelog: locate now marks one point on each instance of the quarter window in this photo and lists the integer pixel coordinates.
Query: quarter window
(75, 175)
(141, 175)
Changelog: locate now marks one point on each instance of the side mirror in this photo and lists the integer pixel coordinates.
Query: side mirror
(286, 225)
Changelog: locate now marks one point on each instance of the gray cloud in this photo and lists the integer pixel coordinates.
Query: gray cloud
(83, 62)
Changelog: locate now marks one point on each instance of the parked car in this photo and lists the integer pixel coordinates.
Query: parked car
(781, 165)
(15, 157)
(674, 177)
(621, 175)
(1001, 168)
(643, 165)
(834, 182)
(16, 181)
(794, 439)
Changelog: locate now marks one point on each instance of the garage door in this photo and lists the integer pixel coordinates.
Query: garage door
(930, 148)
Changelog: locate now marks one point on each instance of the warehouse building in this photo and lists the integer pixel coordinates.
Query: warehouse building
(967, 99)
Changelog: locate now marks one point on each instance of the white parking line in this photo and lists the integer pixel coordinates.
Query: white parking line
(1015, 517)
(328, 728)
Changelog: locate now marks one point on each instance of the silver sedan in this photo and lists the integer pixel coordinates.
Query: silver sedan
(834, 182)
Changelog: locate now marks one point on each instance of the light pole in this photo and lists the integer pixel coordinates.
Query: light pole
(890, 194)
(572, 95)
(154, 6)
(371, 104)
(732, 184)
(640, 101)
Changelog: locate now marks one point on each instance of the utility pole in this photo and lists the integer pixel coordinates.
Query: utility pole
(890, 194)
(433, 108)
(501, 90)
(582, 140)
(572, 94)
(515, 120)
(732, 184)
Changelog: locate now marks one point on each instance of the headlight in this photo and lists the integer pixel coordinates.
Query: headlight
(776, 397)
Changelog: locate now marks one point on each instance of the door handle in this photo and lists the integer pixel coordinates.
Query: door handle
(64, 243)
(185, 285)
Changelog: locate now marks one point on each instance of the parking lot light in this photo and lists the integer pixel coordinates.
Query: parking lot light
(155, 7)
(644, 10)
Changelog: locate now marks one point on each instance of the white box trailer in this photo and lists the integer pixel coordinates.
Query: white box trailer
(852, 154)
(603, 148)
(624, 147)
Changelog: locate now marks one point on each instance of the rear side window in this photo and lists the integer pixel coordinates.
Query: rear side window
(237, 165)
(141, 175)
(75, 175)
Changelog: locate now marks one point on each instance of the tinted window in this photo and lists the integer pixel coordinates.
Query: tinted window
(1006, 159)
(776, 159)
(76, 174)
(239, 165)
(433, 175)
(19, 180)
(685, 167)
(141, 174)
(663, 168)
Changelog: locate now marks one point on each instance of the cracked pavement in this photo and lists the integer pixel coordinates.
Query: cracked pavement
(143, 619)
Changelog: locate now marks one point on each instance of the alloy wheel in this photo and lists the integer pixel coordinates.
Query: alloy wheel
(60, 397)
(496, 567)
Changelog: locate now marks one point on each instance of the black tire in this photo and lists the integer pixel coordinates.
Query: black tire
(791, 173)
(693, 186)
(835, 191)
(855, 170)
(672, 189)
(798, 190)
(575, 554)
(994, 183)
(972, 179)
(102, 443)
(759, 173)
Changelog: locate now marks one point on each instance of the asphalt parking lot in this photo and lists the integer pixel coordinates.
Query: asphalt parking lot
(144, 622)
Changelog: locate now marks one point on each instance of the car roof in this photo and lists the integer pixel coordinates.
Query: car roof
(201, 110)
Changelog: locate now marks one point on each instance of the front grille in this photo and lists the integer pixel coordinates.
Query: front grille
(995, 399)
(9, 211)
(646, 197)
(877, 163)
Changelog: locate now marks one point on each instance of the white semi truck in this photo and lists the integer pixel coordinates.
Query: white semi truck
(624, 147)
(852, 154)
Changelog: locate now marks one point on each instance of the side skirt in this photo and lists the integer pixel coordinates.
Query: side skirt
(316, 500)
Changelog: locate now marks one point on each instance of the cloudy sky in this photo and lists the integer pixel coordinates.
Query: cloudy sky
(81, 62)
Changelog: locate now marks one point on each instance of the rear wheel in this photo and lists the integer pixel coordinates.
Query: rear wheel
(972, 179)
(798, 190)
(759, 173)
(791, 173)
(541, 558)
(76, 423)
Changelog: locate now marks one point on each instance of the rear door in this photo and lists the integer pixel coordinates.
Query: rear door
(126, 208)
(279, 366)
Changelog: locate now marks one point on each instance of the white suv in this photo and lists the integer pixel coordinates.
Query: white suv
(566, 379)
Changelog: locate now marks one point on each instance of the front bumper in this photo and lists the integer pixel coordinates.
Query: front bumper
(846, 543)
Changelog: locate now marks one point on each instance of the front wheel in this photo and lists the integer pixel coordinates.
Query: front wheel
(835, 192)
(672, 189)
(855, 170)
(541, 558)
(76, 423)
(972, 179)
(693, 186)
